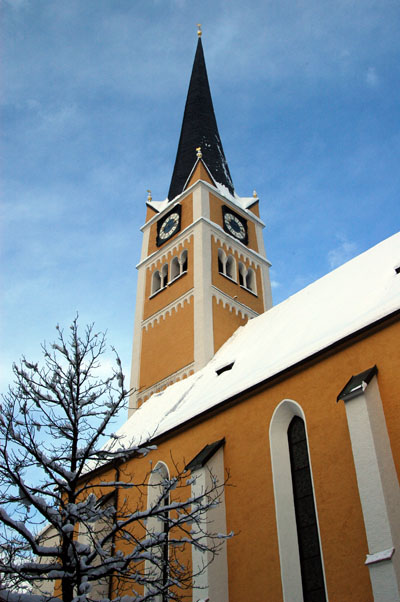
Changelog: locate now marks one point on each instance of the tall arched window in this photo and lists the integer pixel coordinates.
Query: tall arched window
(306, 519)
(289, 449)
(158, 527)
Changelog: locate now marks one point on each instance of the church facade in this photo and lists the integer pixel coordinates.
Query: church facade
(298, 402)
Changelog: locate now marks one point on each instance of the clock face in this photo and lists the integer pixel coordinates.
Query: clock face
(235, 226)
(169, 226)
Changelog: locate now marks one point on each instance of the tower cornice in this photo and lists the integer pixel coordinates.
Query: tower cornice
(229, 200)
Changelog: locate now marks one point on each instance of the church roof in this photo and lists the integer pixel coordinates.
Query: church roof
(348, 299)
(199, 129)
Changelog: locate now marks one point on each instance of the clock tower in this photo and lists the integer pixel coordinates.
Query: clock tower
(203, 271)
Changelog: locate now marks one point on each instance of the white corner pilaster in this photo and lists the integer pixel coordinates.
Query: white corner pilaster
(137, 329)
(378, 487)
(210, 576)
(203, 315)
(201, 202)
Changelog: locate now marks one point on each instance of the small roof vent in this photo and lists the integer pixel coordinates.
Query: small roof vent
(224, 368)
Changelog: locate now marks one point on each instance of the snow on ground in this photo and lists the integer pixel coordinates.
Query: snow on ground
(354, 295)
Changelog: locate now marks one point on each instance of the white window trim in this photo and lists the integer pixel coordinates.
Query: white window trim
(158, 474)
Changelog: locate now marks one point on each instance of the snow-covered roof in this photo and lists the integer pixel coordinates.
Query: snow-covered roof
(353, 296)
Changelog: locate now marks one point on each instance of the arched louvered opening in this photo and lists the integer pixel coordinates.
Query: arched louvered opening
(164, 275)
(221, 261)
(155, 282)
(175, 268)
(251, 280)
(306, 519)
(184, 261)
(231, 267)
(242, 274)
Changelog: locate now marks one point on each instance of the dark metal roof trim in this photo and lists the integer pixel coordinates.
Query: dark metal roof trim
(357, 384)
(206, 453)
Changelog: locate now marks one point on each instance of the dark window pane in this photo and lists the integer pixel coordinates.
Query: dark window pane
(306, 519)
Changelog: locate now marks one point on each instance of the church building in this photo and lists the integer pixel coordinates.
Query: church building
(298, 402)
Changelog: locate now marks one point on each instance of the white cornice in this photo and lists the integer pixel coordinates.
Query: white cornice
(233, 303)
(223, 236)
(246, 212)
(168, 309)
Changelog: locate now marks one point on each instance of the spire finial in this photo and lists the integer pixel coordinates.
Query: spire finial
(255, 196)
(199, 154)
(199, 32)
(149, 197)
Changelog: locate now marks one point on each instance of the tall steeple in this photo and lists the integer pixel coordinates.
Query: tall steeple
(203, 271)
(199, 129)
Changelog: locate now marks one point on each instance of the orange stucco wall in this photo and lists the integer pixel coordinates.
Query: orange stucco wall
(200, 173)
(255, 302)
(167, 345)
(253, 554)
(216, 217)
(186, 220)
(225, 322)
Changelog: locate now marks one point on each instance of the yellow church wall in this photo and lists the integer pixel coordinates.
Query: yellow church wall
(186, 220)
(175, 289)
(167, 344)
(233, 289)
(225, 322)
(250, 504)
(216, 217)
(253, 554)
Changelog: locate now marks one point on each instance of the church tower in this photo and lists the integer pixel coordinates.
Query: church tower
(203, 271)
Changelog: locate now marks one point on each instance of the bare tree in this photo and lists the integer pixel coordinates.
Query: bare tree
(75, 523)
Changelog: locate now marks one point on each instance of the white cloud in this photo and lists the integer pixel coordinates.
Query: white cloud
(342, 253)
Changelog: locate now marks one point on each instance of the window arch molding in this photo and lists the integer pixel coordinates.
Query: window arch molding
(154, 524)
(284, 499)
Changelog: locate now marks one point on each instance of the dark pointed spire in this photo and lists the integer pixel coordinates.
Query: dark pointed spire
(199, 129)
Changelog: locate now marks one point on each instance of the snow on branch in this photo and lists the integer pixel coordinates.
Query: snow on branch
(76, 523)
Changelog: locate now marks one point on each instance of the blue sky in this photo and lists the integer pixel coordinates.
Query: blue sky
(306, 95)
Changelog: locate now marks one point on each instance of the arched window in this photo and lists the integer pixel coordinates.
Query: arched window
(221, 261)
(306, 520)
(251, 280)
(175, 268)
(184, 261)
(155, 282)
(231, 267)
(298, 534)
(158, 527)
